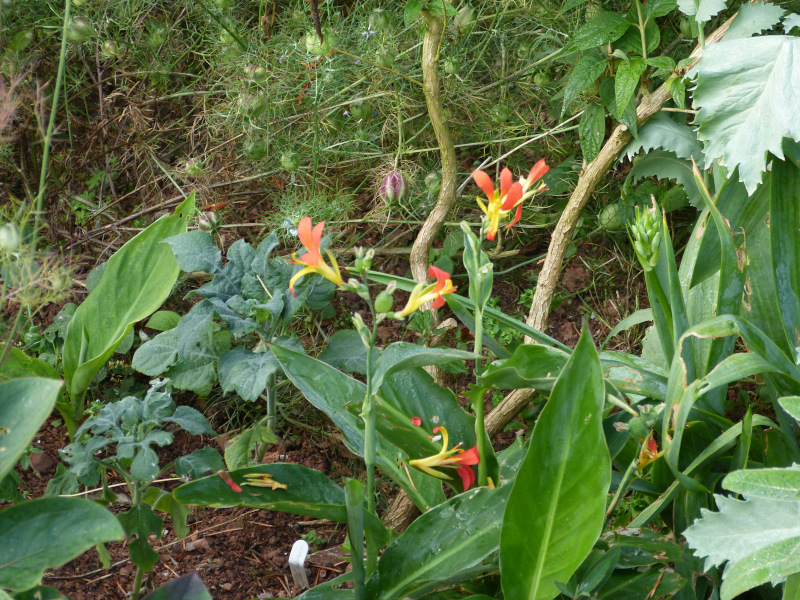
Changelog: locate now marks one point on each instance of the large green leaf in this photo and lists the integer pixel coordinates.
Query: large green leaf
(45, 533)
(447, 544)
(402, 355)
(308, 492)
(701, 10)
(663, 132)
(136, 282)
(556, 509)
(752, 19)
(25, 403)
(757, 537)
(188, 587)
(605, 27)
(18, 364)
(666, 165)
(746, 93)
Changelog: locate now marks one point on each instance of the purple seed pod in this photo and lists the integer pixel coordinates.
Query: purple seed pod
(393, 187)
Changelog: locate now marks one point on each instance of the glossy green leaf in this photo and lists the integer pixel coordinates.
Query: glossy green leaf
(658, 8)
(18, 364)
(746, 91)
(784, 228)
(635, 585)
(354, 498)
(163, 320)
(791, 587)
(791, 404)
(666, 165)
(447, 544)
(136, 282)
(308, 492)
(163, 501)
(592, 131)
(402, 355)
(330, 590)
(637, 317)
(605, 27)
(33, 536)
(548, 527)
(139, 522)
(199, 463)
(25, 403)
(188, 587)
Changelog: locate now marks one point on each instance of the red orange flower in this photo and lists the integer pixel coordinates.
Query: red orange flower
(311, 239)
(423, 293)
(455, 458)
(510, 196)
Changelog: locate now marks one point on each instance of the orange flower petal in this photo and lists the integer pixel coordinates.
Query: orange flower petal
(485, 183)
(505, 181)
(537, 171)
(304, 232)
(513, 196)
(516, 217)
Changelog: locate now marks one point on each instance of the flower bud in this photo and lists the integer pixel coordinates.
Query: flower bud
(193, 167)
(452, 66)
(210, 222)
(433, 182)
(290, 161)
(110, 49)
(256, 74)
(9, 237)
(393, 187)
(384, 301)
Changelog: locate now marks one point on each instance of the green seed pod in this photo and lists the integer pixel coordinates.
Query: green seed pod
(384, 57)
(80, 30)
(255, 149)
(609, 219)
(466, 19)
(379, 19)
(110, 49)
(20, 40)
(223, 4)
(210, 222)
(227, 38)
(452, 66)
(290, 161)
(9, 237)
(319, 47)
(60, 281)
(686, 28)
(158, 35)
(500, 113)
(384, 302)
(360, 109)
(193, 167)
(256, 74)
(524, 50)
(433, 182)
(541, 79)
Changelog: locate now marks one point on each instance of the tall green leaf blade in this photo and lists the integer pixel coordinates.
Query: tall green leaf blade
(447, 544)
(746, 93)
(556, 509)
(784, 229)
(136, 282)
(402, 355)
(47, 532)
(25, 403)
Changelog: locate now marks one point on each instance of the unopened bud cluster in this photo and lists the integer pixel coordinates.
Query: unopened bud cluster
(646, 235)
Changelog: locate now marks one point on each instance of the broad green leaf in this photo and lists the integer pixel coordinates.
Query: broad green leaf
(658, 8)
(41, 534)
(769, 484)
(583, 74)
(163, 320)
(196, 251)
(662, 132)
(18, 364)
(188, 587)
(548, 526)
(791, 404)
(332, 392)
(345, 351)
(245, 372)
(308, 492)
(701, 10)
(635, 585)
(637, 317)
(136, 282)
(239, 451)
(790, 22)
(330, 590)
(791, 587)
(625, 115)
(354, 498)
(412, 11)
(531, 366)
(447, 544)
(592, 131)
(163, 501)
(746, 95)
(605, 27)
(139, 522)
(157, 354)
(199, 463)
(666, 165)
(752, 19)
(626, 81)
(40, 592)
(757, 537)
(25, 403)
(402, 355)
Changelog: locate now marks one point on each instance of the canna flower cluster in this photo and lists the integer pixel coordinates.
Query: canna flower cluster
(455, 458)
(311, 238)
(510, 196)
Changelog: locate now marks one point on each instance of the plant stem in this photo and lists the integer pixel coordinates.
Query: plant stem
(641, 29)
(477, 401)
(48, 138)
(136, 500)
(272, 404)
(627, 479)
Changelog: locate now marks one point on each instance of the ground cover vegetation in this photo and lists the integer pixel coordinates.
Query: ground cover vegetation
(267, 221)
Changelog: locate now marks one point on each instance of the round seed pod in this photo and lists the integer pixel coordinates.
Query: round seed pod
(80, 30)
(393, 187)
(9, 237)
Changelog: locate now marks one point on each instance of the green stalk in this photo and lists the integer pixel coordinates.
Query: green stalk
(477, 401)
(136, 500)
(272, 404)
(368, 415)
(641, 29)
(627, 479)
(48, 138)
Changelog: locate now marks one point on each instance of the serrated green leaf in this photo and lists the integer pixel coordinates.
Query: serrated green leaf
(790, 22)
(548, 529)
(658, 8)
(627, 116)
(592, 131)
(626, 80)
(752, 19)
(584, 74)
(701, 10)
(677, 89)
(746, 95)
(769, 484)
(412, 10)
(665, 133)
(665, 165)
(605, 27)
